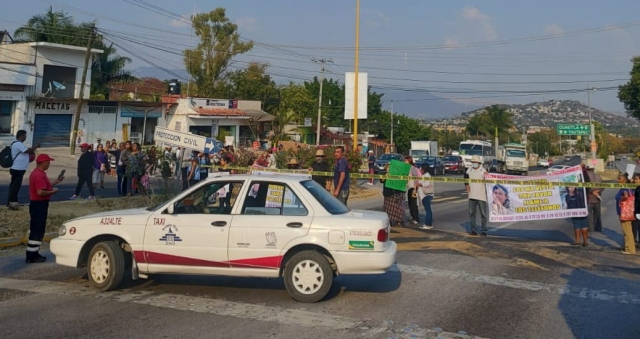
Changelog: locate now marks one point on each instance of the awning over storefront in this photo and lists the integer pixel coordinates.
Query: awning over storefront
(138, 111)
(258, 115)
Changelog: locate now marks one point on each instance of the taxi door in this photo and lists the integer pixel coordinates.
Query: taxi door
(193, 238)
(272, 215)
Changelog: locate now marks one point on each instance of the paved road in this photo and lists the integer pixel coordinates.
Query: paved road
(524, 281)
(494, 288)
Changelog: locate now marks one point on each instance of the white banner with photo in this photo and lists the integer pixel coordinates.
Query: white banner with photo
(508, 203)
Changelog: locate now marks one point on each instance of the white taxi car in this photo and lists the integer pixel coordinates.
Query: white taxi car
(260, 225)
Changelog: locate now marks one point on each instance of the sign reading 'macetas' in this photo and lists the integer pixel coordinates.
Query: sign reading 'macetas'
(180, 139)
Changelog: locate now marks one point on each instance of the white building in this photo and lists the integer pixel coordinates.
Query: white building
(244, 120)
(39, 89)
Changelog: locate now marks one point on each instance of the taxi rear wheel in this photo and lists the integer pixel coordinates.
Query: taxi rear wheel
(105, 266)
(308, 276)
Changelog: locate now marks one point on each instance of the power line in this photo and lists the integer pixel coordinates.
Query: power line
(474, 44)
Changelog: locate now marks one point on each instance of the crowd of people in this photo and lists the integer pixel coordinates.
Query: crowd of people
(132, 166)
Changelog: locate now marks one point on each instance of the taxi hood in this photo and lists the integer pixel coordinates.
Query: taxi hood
(118, 213)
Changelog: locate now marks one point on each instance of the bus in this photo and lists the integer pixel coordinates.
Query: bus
(469, 148)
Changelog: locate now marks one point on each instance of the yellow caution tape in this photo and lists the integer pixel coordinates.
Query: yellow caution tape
(542, 182)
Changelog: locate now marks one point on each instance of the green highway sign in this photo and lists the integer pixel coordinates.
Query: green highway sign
(573, 129)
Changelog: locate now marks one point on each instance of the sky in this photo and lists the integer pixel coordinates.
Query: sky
(477, 52)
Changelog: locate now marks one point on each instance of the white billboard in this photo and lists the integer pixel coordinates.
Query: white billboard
(349, 95)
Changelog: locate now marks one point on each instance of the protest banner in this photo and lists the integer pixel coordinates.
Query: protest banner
(397, 168)
(507, 203)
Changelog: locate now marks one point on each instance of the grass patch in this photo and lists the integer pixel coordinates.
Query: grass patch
(16, 223)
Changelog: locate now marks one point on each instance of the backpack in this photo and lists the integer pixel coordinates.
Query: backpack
(6, 160)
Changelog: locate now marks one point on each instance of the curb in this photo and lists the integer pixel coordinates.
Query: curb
(16, 241)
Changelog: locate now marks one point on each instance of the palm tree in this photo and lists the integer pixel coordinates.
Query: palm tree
(106, 68)
(498, 120)
(54, 27)
(477, 125)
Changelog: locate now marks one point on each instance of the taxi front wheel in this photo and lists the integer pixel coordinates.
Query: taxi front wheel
(308, 276)
(106, 265)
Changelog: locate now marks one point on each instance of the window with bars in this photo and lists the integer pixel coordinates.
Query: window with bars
(103, 109)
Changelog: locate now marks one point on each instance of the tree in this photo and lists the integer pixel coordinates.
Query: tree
(296, 100)
(219, 43)
(60, 28)
(629, 93)
(54, 27)
(106, 68)
(476, 125)
(332, 101)
(497, 120)
(253, 83)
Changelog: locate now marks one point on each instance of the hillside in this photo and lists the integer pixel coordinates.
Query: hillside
(540, 115)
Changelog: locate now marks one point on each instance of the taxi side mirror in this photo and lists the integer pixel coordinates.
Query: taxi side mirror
(170, 209)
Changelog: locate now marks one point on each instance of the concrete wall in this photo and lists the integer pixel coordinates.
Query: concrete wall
(17, 53)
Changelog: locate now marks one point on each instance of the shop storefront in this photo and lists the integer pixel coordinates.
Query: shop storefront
(144, 119)
(53, 121)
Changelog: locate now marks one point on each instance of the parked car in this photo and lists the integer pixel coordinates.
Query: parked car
(567, 158)
(384, 159)
(435, 163)
(265, 225)
(556, 168)
(454, 164)
(544, 163)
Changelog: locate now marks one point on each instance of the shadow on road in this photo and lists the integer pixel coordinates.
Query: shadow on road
(600, 306)
(378, 283)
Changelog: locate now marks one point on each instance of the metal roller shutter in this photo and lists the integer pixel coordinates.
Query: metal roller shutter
(52, 129)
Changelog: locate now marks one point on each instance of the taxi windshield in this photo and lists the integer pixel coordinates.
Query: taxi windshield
(326, 199)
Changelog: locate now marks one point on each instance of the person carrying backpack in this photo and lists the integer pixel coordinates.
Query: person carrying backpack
(17, 158)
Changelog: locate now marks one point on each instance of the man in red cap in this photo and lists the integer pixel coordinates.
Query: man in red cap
(40, 191)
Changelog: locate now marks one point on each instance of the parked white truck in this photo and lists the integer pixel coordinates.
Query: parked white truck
(423, 148)
(513, 159)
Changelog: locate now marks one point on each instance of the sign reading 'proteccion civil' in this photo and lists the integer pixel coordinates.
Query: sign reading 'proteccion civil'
(180, 139)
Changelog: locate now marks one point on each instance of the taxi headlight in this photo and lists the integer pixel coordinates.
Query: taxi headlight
(62, 231)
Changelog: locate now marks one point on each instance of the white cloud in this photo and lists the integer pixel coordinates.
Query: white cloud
(471, 25)
(553, 29)
(247, 24)
(473, 13)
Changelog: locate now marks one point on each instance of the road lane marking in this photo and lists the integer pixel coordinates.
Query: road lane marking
(534, 286)
(273, 314)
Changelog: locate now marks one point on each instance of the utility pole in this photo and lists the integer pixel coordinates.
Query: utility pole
(391, 122)
(76, 119)
(591, 126)
(322, 62)
(355, 97)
